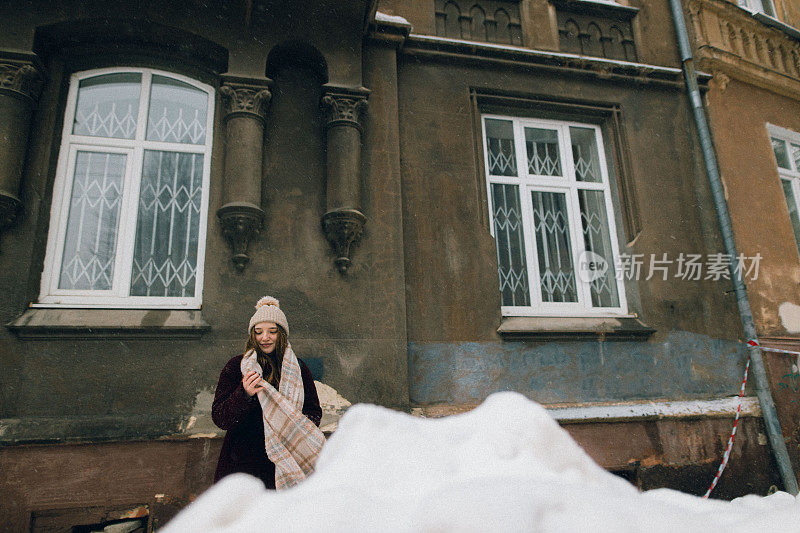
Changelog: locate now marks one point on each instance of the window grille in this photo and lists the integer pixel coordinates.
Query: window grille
(128, 219)
(550, 210)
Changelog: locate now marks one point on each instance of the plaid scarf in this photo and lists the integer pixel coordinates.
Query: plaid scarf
(292, 441)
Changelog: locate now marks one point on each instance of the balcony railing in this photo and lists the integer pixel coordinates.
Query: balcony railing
(728, 35)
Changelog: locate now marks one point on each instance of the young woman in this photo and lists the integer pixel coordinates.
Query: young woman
(267, 403)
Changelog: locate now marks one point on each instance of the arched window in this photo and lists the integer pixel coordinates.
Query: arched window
(130, 200)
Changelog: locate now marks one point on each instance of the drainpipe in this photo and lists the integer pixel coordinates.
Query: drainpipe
(759, 374)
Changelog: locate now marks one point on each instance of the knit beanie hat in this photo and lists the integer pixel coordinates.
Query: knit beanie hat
(268, 310)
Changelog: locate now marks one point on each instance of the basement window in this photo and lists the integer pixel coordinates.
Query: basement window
(138, 525)
(117, 519)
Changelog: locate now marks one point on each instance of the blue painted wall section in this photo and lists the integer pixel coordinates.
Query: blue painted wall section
(682, 366)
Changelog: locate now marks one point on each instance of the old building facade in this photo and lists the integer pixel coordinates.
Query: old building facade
(442, 194)
(752, 48)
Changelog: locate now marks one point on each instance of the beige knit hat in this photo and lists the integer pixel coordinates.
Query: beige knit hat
(268, 310)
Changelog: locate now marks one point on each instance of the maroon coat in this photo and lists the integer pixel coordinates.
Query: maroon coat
(240, 415)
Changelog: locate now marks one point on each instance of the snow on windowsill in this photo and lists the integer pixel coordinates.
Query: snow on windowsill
(549, 326)
(635, 411)
(432, 39)
(720, 407)
(391, 19)
(60, 322)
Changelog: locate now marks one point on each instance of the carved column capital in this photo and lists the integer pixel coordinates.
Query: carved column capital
(344, 105)
(240, 223)
(343, 227)
(20, 78)
(20, 85)
(343, 223)
(721, 80)
(246, 97)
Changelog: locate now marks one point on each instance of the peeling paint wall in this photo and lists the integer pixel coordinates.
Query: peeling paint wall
(739, 113)
(789, 314)
(684, 366)
(333, 407)
(455, 351)
(199, 422)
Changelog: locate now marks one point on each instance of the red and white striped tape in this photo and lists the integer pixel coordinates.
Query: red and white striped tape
(754, 342)
(727, 454)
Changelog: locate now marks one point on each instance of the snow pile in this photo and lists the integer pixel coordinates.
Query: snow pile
(505, 466)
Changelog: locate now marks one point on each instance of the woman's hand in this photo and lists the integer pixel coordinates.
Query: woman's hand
(251, 382)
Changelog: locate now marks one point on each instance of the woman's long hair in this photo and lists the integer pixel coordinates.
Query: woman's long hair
(270, 363)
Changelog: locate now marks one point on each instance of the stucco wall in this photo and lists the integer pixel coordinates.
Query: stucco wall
(424, 274)
(739, 113)
(351, 329)
(451, 271)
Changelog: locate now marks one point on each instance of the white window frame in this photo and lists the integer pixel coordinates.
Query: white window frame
(791, 175)
(118, 296)
(750, 6)
(568, 184)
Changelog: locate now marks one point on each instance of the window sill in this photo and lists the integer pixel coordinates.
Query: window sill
(41, 323)
(546, 328)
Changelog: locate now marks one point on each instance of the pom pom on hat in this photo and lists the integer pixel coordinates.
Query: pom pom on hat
(268, 310)
(268, 300)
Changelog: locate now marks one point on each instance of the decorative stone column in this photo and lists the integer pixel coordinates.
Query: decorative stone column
(343, 222)
(246, 102)
(20, 84)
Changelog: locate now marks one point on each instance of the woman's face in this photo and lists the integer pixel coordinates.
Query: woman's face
(266, 336)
